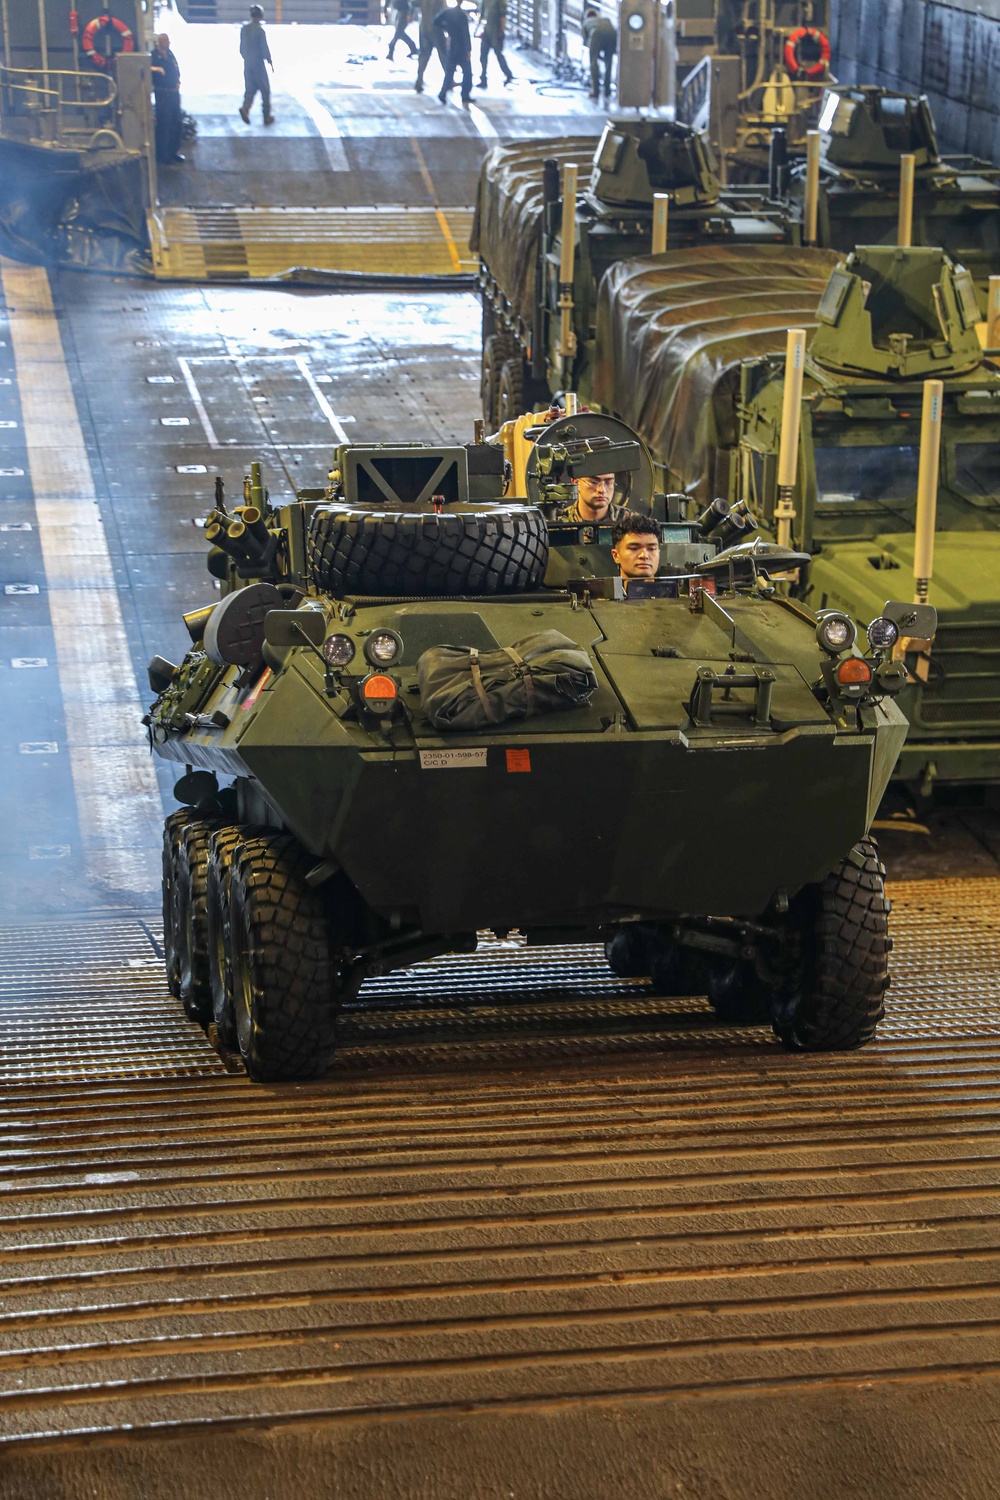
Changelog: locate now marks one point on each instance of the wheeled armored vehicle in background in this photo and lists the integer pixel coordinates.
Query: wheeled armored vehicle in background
(518, 235)
(420, 711)
(710, 339)
(864, 133)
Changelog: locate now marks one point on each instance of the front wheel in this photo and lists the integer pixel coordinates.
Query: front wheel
(837, 997)
(285, 976)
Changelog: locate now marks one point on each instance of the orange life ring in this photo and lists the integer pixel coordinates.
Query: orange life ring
(793, 63)
(101, 23)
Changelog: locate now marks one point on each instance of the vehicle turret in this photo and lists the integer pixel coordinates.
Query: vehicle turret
(870, 128)
(637, 158)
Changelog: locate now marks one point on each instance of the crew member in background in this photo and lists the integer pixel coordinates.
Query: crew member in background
(494, 17)
(601, 37)
(635, 545)
(167, 96)
(594, 503)
(430, 40)
(453, 23)
(256, 54)
(402, 11)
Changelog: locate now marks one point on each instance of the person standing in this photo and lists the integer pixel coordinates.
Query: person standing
(256, 54)
(453, 23)
(601, 36)
(494, 17)
(430, 40)
(402, 12)
(167, 96)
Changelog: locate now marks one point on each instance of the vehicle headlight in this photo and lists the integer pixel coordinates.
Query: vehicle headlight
(339, 650)
(882, 634)
(836, 633)
(383, 647)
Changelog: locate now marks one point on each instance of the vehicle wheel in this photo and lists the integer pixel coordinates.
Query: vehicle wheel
(628, 951)
(220, 966)
(173, 829)
(838, 996)
(192, 927)
(481, 551)
(285, 975)
(497, 349)
(510, 390)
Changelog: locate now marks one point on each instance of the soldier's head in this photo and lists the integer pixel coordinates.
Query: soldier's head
(636, 545)
(594, 494)
(163, 42)
(256, 14)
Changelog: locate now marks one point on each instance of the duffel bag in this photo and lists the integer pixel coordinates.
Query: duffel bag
(462, 688)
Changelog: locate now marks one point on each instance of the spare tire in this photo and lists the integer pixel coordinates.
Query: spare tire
(481, 551)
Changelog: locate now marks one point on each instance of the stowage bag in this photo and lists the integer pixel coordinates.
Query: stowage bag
(462, 688)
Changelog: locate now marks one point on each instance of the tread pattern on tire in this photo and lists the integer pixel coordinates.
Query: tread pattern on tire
(280, 925)
(510, 389)
(223, 844)
(486, 551)
(173, 828)
(192, 872)
(847, 974)
(497, 349)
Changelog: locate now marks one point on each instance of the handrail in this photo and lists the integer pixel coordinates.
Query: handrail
(66, 104)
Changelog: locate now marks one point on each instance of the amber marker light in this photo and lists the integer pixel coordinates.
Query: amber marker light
(853, 671)
(379, 692)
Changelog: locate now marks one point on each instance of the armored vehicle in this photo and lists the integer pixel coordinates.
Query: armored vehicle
(419, 712)
(711, 341)
(864, 132)
(529, 351)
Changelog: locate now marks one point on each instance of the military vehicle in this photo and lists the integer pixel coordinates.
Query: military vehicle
(711, 341)
(530, 351)
(864, 132)
(419, 712)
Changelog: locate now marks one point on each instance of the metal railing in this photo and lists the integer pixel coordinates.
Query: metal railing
(56, 108)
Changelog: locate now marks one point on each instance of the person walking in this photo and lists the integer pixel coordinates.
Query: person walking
(167, 97)
(256, 54)
(453, 23)
(403, 11)
(494, 18)
(601, 35)
(430, 40)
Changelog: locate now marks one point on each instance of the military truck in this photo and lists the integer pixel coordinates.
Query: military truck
(864, 132)
(517, 233)
(419, 712)
(710, 340)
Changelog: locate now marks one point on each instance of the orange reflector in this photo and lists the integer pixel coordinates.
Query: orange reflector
(379, 686)
(853, 670)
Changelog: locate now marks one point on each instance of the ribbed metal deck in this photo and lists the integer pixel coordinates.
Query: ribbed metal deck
(638, 1208)
(227, 244)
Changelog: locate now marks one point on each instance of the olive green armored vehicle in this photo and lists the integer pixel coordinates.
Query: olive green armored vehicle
(710, 340)
(864, 133)
(419, 712)
(518, 236)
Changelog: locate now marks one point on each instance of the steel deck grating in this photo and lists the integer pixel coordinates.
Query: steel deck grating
(552, 1223)
(203, 244)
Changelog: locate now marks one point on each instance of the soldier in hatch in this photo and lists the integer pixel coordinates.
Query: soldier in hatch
(635, 545)
(595, 501)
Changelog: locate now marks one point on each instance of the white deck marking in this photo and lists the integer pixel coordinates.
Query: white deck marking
(482, 122)
(117, 798)
(199, 405)
(327, 127)
(321, 401)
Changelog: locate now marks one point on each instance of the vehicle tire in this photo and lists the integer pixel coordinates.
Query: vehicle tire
(223, 844)
(285, 976)
(628, 951)
(497, 349)
(173, 829)
(838, 996)
(481, 551)
(510, 390)
(192, 927)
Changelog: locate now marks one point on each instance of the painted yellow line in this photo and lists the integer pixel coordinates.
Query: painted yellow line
(443, 224)
(117, 797)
